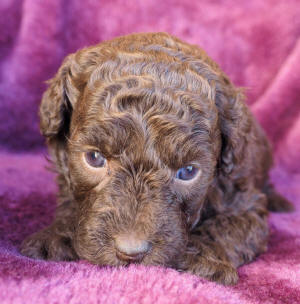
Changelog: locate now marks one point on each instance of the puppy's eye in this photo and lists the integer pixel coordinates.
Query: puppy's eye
(94, 159)
(187, 173)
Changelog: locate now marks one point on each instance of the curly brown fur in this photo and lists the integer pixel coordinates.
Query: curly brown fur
(152, 104)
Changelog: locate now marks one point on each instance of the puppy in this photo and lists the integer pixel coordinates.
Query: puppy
(159, 161)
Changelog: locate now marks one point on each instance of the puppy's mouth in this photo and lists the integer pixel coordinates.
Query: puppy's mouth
(132, 258)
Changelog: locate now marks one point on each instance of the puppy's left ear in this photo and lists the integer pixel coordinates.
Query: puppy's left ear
(236, 124)
(58, 101)
(234, 127)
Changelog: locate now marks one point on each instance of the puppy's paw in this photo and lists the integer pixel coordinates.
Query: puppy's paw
(212, 269)
(225, 274)
(47, 245)
(217, 272)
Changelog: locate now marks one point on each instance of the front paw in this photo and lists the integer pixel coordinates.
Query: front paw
(204, 262)
(47, 245)
(216, 271)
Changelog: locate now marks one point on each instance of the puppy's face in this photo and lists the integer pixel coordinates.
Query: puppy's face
(137, 126)
(141, 159)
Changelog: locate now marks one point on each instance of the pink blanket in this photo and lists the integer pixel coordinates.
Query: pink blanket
(256, 43)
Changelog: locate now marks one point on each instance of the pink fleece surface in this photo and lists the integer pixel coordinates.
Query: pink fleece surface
(256, 43)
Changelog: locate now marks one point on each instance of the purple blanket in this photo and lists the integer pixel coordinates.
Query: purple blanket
(256, 43)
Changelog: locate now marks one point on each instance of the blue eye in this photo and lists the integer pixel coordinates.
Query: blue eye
(187, 173)
(95, 159)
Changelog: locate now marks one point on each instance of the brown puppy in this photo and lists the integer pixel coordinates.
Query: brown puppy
(159, 161)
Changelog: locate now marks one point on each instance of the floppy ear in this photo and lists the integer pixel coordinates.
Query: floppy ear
(55, 115)
(235, 122)
(58, 102)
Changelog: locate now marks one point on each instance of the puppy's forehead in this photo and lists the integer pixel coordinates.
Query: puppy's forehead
(146, 79)
(149, 121)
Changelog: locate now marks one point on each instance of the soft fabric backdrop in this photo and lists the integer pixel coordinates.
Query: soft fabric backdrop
(255, 42)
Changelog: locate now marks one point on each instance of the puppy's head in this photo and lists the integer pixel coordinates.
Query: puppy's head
(139, 129)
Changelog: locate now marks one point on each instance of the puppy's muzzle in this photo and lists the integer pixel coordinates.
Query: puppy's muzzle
(131, 249)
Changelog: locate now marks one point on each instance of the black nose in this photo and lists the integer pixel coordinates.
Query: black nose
(131, 249)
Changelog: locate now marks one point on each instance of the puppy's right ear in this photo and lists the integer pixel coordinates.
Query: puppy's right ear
(58, 101)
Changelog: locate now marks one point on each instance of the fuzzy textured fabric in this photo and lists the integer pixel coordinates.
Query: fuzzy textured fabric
(255, 42)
